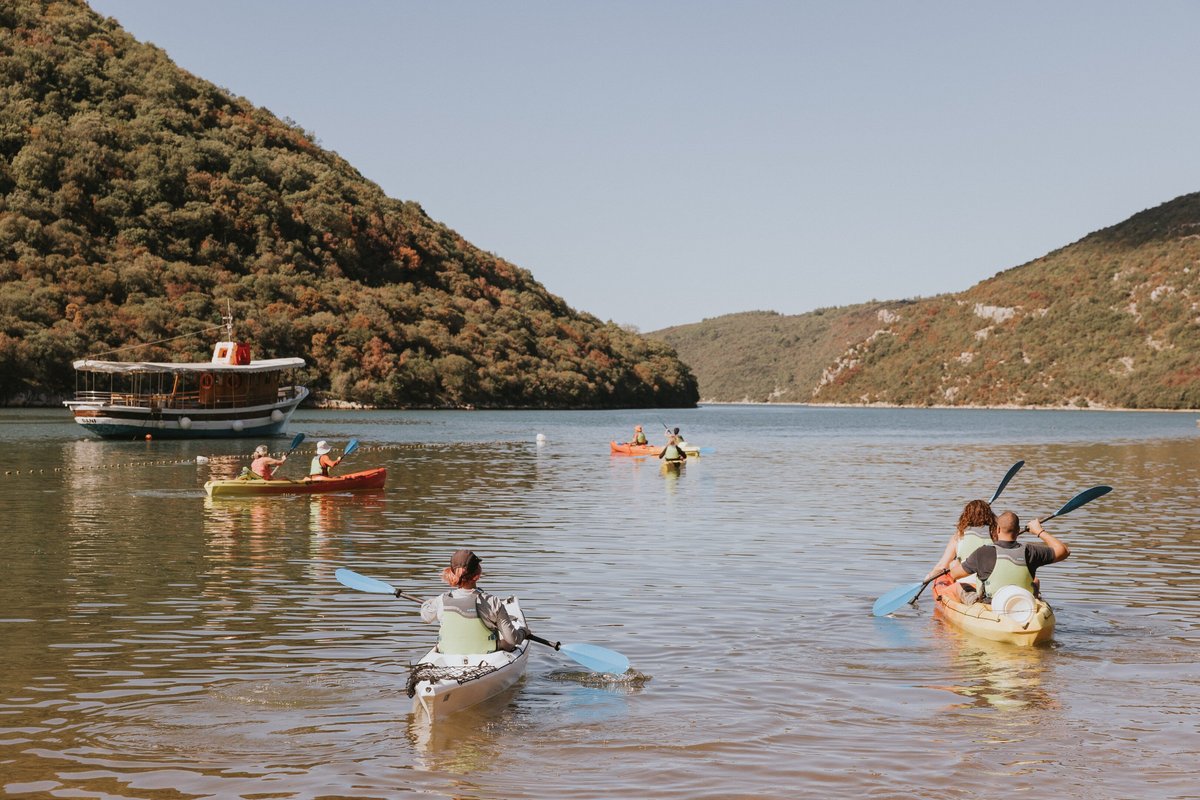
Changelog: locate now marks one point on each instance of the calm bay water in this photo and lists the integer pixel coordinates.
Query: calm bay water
(157, 644)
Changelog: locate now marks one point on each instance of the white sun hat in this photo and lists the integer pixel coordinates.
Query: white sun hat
(323, 447)
(1014, 604)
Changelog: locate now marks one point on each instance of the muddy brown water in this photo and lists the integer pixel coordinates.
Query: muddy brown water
(158, 644)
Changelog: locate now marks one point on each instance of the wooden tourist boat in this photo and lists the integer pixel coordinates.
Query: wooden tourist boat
(230, 396)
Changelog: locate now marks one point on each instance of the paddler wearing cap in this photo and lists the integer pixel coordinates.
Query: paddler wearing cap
(1009, 562)
(473, 621)
(322, 463)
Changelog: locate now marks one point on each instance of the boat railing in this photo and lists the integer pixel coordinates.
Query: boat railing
(182, 400)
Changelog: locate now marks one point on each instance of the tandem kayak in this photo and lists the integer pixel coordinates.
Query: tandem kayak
(441, 684)
(980, 620)
(254, 487)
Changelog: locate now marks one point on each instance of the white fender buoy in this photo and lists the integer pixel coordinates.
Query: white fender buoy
(185, 422)
(237, 425)
(276, 416)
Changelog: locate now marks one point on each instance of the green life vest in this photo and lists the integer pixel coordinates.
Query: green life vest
(640, 438)
(463, 632)
(315, 467)
(971, 540)
(673, 453)
(1010, 570)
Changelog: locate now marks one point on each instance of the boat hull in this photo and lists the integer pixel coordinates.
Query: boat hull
(979, 620)
(253, 487)
(439, 698)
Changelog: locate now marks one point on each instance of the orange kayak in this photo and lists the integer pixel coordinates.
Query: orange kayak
(254, 487)
(627, 449)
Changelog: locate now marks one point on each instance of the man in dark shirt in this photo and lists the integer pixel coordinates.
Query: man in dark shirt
(1013, 570)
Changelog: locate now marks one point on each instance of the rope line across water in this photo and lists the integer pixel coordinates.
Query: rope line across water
(237, 458)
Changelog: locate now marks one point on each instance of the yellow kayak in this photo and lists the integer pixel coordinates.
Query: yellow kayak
(980, 620)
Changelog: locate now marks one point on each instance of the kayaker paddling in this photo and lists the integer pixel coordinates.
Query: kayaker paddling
(472, 621)
(639, 436)
(1009, 562)
(263, 465)
(673, 453)
(322, 463)
(976, 528)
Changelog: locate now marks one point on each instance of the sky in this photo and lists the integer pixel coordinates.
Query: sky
(659, 162)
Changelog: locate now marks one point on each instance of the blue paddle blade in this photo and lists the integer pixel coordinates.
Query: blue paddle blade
(352, 580)
(350, 448)
(296, 440)
(597, 659)
(704, 451)
(1007, 477)
(896, 598)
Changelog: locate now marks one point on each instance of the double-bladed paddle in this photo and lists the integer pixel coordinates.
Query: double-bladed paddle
(598, 659)
(351, 446)
(901, 595)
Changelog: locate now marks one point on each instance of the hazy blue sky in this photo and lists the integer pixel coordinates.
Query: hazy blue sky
(656, 163)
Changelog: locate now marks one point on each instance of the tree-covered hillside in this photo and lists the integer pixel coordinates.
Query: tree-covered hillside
(763, 357)
(136, 200)
(1110, 321)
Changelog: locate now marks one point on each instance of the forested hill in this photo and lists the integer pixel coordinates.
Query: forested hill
(1110, 321)
(136, 200)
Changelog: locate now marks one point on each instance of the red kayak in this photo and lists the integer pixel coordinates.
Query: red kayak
(314, 484)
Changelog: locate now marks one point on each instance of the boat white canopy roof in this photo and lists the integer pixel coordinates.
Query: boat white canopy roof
(266, 365)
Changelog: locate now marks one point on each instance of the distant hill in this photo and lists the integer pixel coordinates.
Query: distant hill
(1111, 321)
(137, 200)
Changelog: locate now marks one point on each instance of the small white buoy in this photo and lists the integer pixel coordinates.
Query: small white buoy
(541, 439)
(201, 459)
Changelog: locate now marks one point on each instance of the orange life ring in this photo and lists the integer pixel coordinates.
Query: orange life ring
(206, 380)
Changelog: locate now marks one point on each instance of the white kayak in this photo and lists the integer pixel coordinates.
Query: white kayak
(441, 684)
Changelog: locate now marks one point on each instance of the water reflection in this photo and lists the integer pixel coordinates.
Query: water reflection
(993, 674)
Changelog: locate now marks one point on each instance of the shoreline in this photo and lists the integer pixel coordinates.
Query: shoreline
(950, 408)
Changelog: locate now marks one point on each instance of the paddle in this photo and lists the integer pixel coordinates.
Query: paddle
(901, 595)
(296, 440)
(1083, 498)
(351, 446)
(597, 659)
(1008, 476)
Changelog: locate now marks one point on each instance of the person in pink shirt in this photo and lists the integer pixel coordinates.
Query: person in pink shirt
(263, 465)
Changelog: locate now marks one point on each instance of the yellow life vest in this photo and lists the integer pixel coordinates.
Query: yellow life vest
(462, 631)
(1010, 570)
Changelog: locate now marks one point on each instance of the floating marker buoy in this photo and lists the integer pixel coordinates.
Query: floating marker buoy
(201, 459)
(148, 437)
(541, 439)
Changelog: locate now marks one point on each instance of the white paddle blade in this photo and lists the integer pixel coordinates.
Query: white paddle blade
(352, 580)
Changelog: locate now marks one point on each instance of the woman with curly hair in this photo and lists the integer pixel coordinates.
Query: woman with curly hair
(976, 527)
